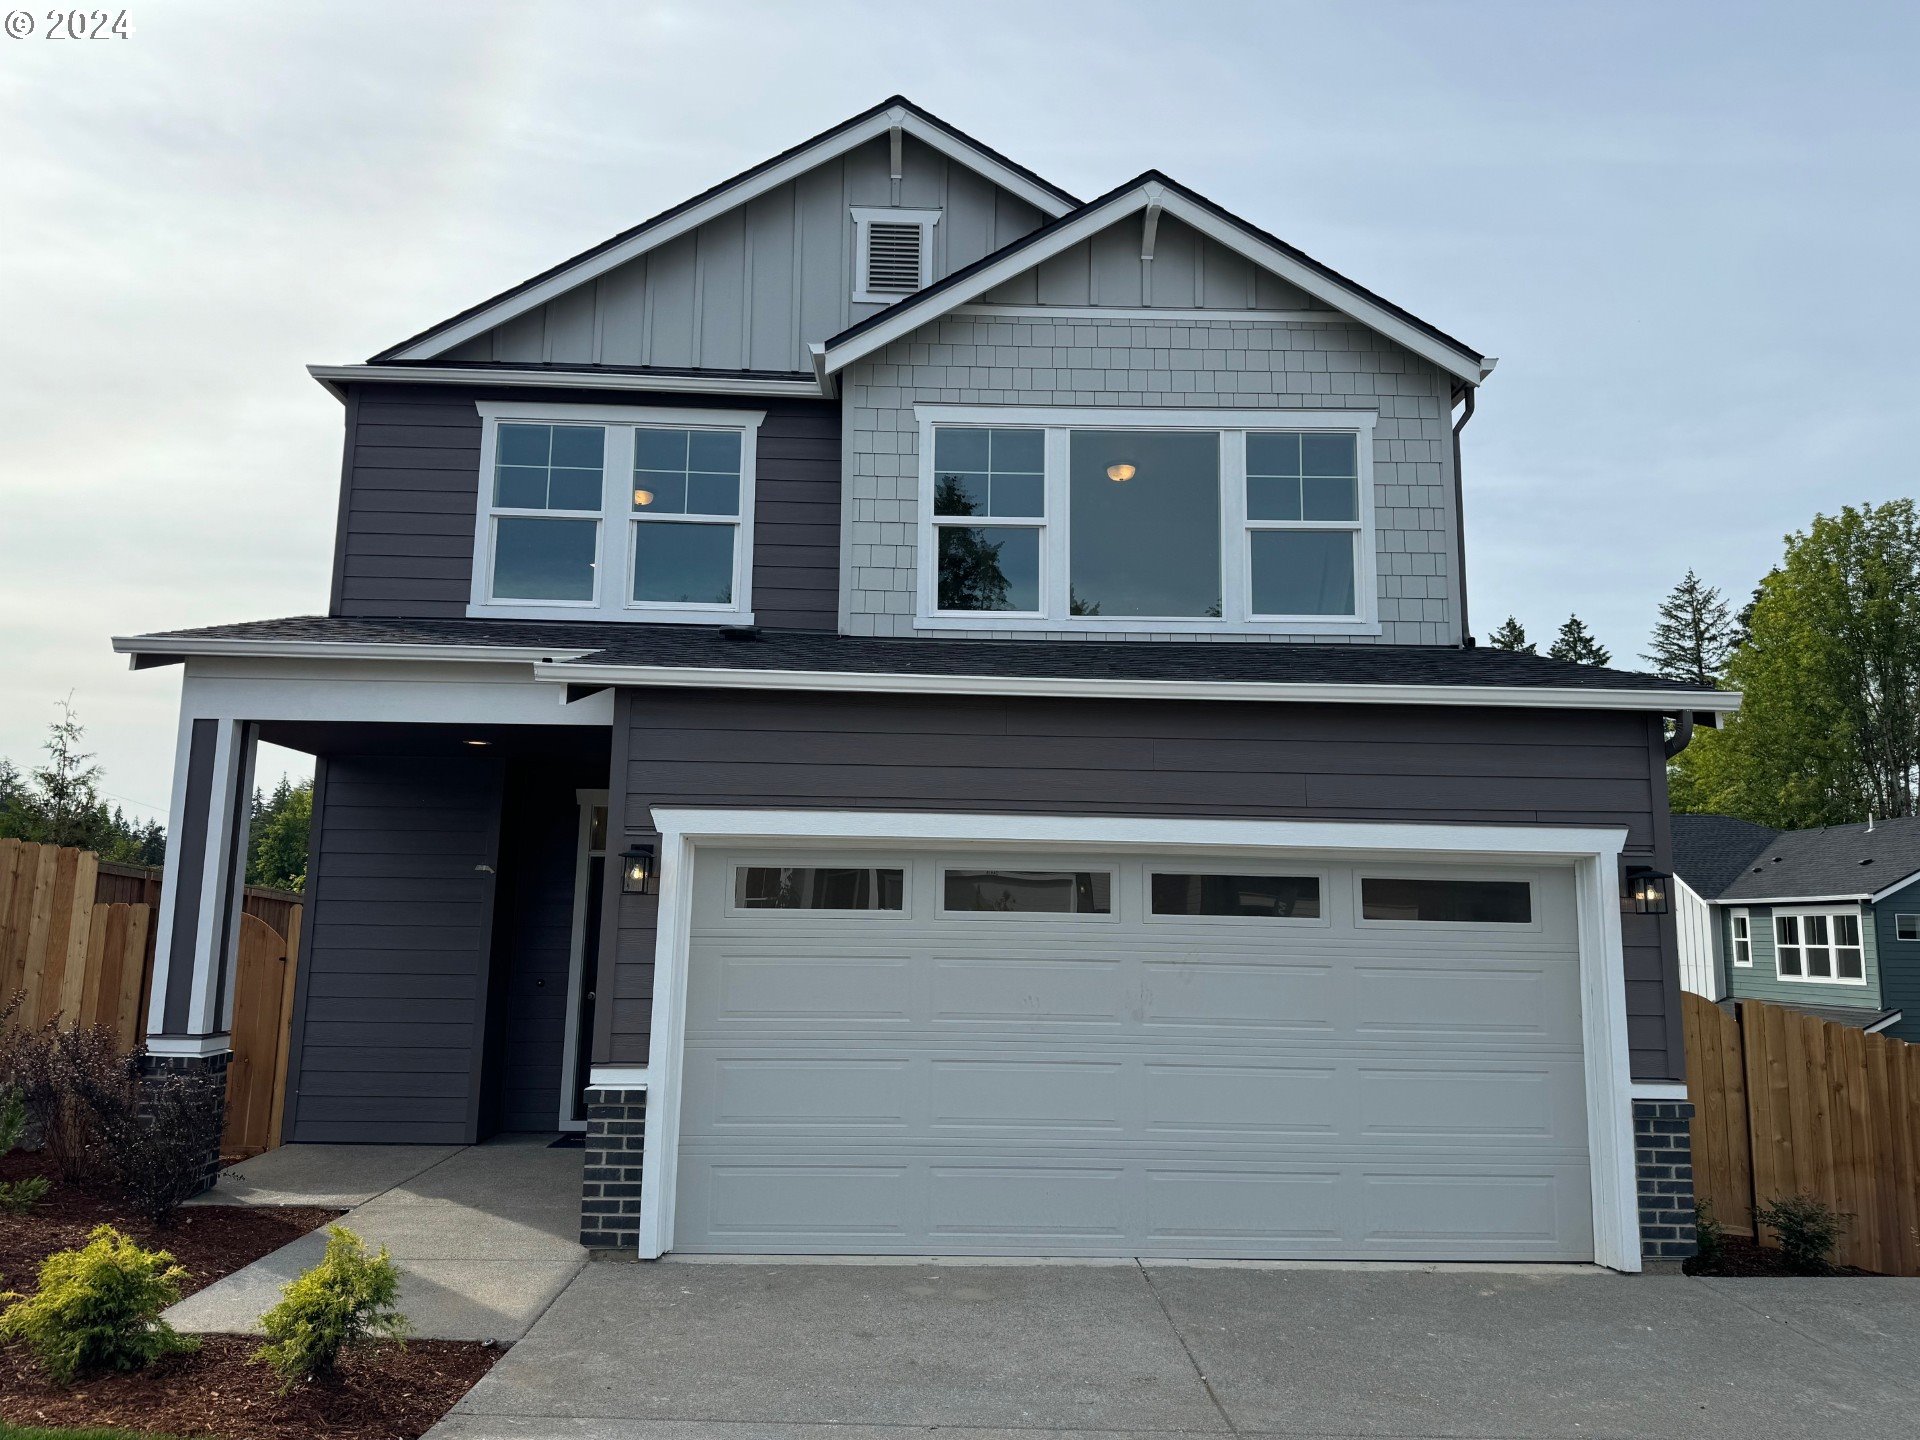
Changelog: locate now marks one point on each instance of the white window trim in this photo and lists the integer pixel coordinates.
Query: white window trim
(1742, 917)
(1906, 939)
(863, 218)
(1056, 527)
(1833, 947)
(1593, 853)
(613, 558)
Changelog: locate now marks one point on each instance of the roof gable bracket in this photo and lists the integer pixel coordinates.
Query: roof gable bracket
(893, 150)
(1149, 233)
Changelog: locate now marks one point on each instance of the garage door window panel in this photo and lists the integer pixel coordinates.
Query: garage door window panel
(834, 889)
(1208, 895)
(1017, 891)
(1423, 900)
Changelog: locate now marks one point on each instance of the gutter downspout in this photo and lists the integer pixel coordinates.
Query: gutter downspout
(1460, 513)
(1682, 733)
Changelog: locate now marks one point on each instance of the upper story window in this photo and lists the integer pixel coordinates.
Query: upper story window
(892, 252)
(615, 512)
(1147, 521)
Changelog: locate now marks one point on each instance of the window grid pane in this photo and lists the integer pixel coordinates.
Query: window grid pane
(548, 467)
(989, 471)
(685, 472)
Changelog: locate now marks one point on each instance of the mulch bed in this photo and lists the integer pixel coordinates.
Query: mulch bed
(208, 1240)
(382, 1392)
(1741, 1258)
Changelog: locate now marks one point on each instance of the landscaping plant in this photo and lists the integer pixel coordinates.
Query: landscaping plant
(158, 1151)
(348, 1298)
(1709, 1235)
(17, 1196)
(1808, 1230)
(98, 1308)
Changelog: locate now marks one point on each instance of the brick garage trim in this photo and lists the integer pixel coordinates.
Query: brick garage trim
(1663, 1162)
(610, 1181)
(1224, 364)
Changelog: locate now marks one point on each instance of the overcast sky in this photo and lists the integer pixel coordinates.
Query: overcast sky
(1687, 230)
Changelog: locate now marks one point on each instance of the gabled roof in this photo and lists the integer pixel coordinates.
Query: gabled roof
(850, 134)
(1839, 862)
(1155, 190)
(1710, 852)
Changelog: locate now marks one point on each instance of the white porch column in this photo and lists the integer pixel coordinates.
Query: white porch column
(191, 1009)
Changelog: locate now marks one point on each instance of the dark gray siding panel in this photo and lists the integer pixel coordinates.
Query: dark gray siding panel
(411, 478)
(1074, 757)
(391, 1015)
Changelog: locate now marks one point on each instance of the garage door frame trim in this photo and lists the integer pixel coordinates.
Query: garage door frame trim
(1592, 852)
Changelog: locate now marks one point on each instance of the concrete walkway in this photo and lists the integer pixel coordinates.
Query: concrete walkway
(684, 1351)
(485, 1236)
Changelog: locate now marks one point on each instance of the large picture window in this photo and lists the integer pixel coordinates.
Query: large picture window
(1184, 521)
(1819, 946)
(624, 512)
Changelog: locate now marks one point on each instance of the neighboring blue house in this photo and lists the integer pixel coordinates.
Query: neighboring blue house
(1825, 921)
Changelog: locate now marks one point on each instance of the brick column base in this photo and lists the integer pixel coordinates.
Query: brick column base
(209, 1071)
(1663, 1161)
(610, 1184)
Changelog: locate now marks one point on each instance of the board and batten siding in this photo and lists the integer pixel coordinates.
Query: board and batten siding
(411, 482)
(1761, 980)
(1695, 924)
(1234, 362)
(390, 1017)
(750, 289)
(785, 750)
(1899, 961)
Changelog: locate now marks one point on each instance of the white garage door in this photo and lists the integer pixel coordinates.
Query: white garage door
(992, 1053)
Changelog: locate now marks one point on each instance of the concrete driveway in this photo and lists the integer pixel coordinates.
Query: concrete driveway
(687, 1351)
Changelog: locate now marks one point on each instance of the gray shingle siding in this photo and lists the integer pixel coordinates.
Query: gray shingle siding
(411, 484)
(1228, 363)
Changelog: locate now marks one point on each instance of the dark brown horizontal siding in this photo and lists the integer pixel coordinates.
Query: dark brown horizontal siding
(1083, 757)
(410, 488)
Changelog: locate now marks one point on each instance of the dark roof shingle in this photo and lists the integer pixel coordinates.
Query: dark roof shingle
(704, 647)
(1835, 861)
(1711, 851)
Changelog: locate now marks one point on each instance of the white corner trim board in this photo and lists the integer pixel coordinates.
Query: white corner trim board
(1592, 853)
(618, 1077)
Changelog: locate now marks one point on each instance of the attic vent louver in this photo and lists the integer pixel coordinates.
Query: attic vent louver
(893, 253)
(893, 259)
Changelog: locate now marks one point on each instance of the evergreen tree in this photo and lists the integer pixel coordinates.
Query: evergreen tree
(277, 836)
(970, 574)
(67, 785)
(1576, 643)
(1694, 635)
(1512, 636)
(1828, 731)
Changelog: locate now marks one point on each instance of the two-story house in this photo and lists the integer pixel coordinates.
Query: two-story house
(928, 715)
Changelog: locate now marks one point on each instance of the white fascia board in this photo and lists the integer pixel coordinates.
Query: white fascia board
(439, 341)
(336, 377)
(1902, 883)
(909, 316)
(333, 650)
(1524, 696)
(1891, 1019)
(1733, 903)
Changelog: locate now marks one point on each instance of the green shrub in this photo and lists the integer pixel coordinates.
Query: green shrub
(347, 1298)
(17, 1196)
(1808, 1230)
(98, 1308)
(1709, 1235)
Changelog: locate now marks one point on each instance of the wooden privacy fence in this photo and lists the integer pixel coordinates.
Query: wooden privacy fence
(77, 941)
(1785, 1104)
(65, 954)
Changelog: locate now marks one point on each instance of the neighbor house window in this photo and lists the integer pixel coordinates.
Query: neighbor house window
(1813, 945)
(1186, 521)
(1742, 939)
(1906, 927)
(615, 512)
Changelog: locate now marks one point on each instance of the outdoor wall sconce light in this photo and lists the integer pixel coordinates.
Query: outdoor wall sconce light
(636, 870)
(1648, 889)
